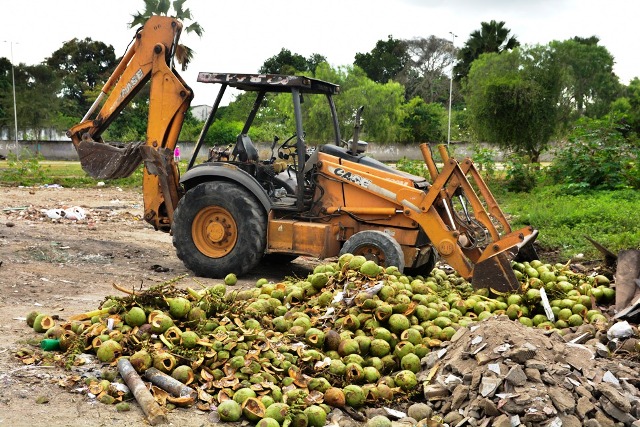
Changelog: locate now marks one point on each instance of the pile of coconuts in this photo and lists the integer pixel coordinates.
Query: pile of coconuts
(351, 334)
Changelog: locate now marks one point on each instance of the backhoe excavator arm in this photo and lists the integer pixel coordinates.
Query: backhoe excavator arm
(149, 58)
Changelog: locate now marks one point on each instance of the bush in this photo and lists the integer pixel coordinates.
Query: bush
(597, 156)
(520, 175)
(23, 171)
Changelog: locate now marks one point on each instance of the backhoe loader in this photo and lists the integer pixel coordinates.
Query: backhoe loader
(241, 207)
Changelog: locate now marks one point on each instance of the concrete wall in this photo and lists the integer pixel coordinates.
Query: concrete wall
(63, 150)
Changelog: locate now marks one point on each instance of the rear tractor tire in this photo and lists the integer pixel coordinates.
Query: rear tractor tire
(219, 228)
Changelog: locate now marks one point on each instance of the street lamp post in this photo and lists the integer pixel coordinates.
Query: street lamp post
(453, 36)
(15, 111)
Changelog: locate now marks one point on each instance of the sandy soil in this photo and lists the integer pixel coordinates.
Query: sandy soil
(64, 267)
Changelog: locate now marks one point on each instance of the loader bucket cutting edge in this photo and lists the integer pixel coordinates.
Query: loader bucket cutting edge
(105, 161)
(496, 272)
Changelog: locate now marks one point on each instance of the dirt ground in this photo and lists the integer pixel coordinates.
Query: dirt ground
(64, 267)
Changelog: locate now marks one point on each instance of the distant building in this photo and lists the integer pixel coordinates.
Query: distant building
(201, 112)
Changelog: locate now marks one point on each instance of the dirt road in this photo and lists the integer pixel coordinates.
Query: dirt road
(64, 267)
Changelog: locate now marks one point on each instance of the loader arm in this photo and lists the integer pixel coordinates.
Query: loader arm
(487, 265)
(149, 58)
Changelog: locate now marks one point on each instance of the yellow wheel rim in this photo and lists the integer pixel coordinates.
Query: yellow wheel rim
(214, 231)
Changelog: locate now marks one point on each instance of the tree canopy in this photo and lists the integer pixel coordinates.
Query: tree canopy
(492, 36)
(513, 98)
(286, 62)
(385, 61)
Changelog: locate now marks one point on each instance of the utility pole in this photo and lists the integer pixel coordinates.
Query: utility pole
(453, 37)
(15, 111)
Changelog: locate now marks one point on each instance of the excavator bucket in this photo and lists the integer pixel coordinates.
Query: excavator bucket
(496, 273)
(105, 161)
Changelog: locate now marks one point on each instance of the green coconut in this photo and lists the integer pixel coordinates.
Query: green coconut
(410, 362)
(356, 262)
(189, 339)
(109, 351)
(268, 422)
(42, 322)
(398, 323)
(243, 394)
(183, 373)
(314, 337)
(370, 269)
(354, 396)
(406, 380)
(31, 317)
(379, 348)
(348, 346)
(278, 411)
(229, 411)
(135, 317)
(141, 360)
(179, 307)
(160, 323)
(379, 421)
(316, 416)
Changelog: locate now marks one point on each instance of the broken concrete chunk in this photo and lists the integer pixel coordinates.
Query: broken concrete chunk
(459, 395)
(616, 398)
(615, 412)
(563, 401)
(584, 406)
(516, 376)
(489, 386)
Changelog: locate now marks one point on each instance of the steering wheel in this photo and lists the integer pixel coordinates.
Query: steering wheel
(285, 144)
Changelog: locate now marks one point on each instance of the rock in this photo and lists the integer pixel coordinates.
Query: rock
(419, 411)
(452, 418)
(563, 401)
(490, 409)
(535, 364)
(516, 376)
(604, 420)
(523, 353)
(584, 406)
(489, 385)
(591, 423)
(435, 390)
(616, 398)
(614, 411)
(533, 375)
(570, 421)
(459, 395)
(501, 421)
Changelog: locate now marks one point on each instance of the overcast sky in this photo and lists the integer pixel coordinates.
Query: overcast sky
(239, 35)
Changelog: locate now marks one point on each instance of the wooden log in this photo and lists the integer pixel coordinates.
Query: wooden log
(169, 384)
(155, 415)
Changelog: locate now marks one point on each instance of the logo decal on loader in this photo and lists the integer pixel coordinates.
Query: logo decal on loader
(131, 84)
(356, 179)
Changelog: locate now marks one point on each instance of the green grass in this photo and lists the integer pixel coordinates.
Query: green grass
(609, 217)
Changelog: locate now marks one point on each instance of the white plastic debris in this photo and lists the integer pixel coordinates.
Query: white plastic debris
(608, 377)
(74, 213)
(620, 330)
(393, 413)
(54, 213)
(546, 305)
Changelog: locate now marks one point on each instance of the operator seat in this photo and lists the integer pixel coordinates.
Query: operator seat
(244, 149)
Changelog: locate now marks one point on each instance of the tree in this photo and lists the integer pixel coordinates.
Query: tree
(424, 74)
(627, 108)
(183, 54)
(6, 95)
(385, 61)
(588, 79)
(286, 62)
(512, 99)
(82, 66)
(423, 122)
(492, 37)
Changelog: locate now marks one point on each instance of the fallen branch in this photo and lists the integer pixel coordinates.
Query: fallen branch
(169, 384)
(90, 314)
(155, 415)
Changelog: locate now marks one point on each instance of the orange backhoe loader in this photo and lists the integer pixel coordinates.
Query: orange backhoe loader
(240, 207)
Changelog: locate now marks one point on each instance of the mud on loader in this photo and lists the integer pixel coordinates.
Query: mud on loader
(238, 208)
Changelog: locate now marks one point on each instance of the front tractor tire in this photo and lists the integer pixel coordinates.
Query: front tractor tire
(375, 246)
(219, 228)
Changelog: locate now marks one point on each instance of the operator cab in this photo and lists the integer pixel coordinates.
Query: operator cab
(286, 168)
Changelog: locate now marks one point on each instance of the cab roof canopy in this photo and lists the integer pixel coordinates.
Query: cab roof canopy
(270, 83)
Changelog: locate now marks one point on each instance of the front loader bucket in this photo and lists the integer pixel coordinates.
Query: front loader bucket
(496, 273)
(106, 161)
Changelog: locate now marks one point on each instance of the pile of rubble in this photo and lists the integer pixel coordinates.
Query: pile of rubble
(500, 373)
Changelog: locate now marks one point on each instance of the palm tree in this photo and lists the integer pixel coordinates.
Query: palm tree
(492, 37)
(184, 54)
